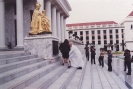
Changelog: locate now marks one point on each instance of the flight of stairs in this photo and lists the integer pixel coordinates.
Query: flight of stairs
(26, 71)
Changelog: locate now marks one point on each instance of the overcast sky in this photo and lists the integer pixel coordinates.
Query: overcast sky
(99, 10)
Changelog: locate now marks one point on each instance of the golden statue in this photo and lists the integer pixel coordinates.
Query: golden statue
(40, 22)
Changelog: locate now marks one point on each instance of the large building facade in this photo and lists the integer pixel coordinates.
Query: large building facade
(16, 16)
(99, 33)
(104, 33)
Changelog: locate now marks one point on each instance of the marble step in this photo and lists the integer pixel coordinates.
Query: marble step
(25, 80)
(47, 80)
(4, 56)
(16, 59)
(15, 65)
(63, 81)
(13, 74)
(77, 79)
(119, 82)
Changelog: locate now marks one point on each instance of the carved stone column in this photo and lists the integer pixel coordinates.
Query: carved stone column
(19, 9)
(58, 26)
(2, 25)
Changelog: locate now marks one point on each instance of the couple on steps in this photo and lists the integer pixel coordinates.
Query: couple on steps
(72, 55)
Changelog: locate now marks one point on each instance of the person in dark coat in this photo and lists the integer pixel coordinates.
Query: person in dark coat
(125, 64)
(93, 55)
(87, 51)
(128, 61)
(109, 61)
(65, 48)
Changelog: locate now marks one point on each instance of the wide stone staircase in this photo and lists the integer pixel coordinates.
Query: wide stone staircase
(26, 71)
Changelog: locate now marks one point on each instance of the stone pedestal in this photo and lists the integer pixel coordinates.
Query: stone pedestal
(40, 45)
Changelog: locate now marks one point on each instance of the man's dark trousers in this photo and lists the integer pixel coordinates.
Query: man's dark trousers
(129, 66)
(109, 64)
(101, 60)
(93, 58)
(87, 56)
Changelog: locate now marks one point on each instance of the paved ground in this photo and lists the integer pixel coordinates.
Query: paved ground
(118, 69)
(9, 52)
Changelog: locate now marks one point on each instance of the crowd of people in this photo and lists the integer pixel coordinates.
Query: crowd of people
(72, 55)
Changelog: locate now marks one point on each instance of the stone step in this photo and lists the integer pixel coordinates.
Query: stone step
(13, 74)
(16, 59)
(11, 55)
(77, 79)
(47, 80)
(63, 80)
(15, 65)
(25, 80)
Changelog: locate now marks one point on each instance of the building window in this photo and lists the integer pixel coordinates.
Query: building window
(105, 42)
(110, 31)
(104, 31)
(81, 37)
(116, 30)
(87, 32)
(81, 32)
(105, 37)
(131, 26)
(99, 37)
(122, 36)
(99, 42)
(117, 36)
(87, 37)
(93, 42)
(93, 37)
(110, 36)
(111, 41)
(122, 30)
(98, 31)
(92, 32)
(75, 33)
(117, 41)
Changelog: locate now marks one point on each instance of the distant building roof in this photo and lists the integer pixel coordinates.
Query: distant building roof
(91, 23)
(131, 14)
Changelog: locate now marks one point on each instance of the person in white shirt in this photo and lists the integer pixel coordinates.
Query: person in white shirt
(75, 57)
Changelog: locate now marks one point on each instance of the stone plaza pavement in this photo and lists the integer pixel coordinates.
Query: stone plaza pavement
(20, 70)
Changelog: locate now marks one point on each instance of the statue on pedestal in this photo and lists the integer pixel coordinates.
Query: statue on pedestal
(40, 23)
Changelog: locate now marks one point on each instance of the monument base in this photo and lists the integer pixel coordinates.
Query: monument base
(41, 45)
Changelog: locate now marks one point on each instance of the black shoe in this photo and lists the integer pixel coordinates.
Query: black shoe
(128, 74)
(124, 70)
(79, 68)
(63, 64)
(69, 66)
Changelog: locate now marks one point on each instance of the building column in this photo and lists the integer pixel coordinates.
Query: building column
(84, 37)
(114, 39)
(19, 9)
(62, 29)
(48, 11)
(53, 22)
(42, 4)
(2, 25)
(108, 36)
(120, 39)
(96, 38)
(102, 39)
(90, 36)
(64, 21)
(58, 25)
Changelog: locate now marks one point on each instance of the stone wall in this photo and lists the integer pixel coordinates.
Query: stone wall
(28, 6)
(10, 23)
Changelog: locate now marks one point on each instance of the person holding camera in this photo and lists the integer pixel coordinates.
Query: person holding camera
(128, 61)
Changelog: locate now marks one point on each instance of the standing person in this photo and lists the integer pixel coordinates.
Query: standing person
(109, 61)
(128, 61)
(64, 47)
(125, 63)
(93, 55)
(101, 58)
(87, 51)
(76, 57)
